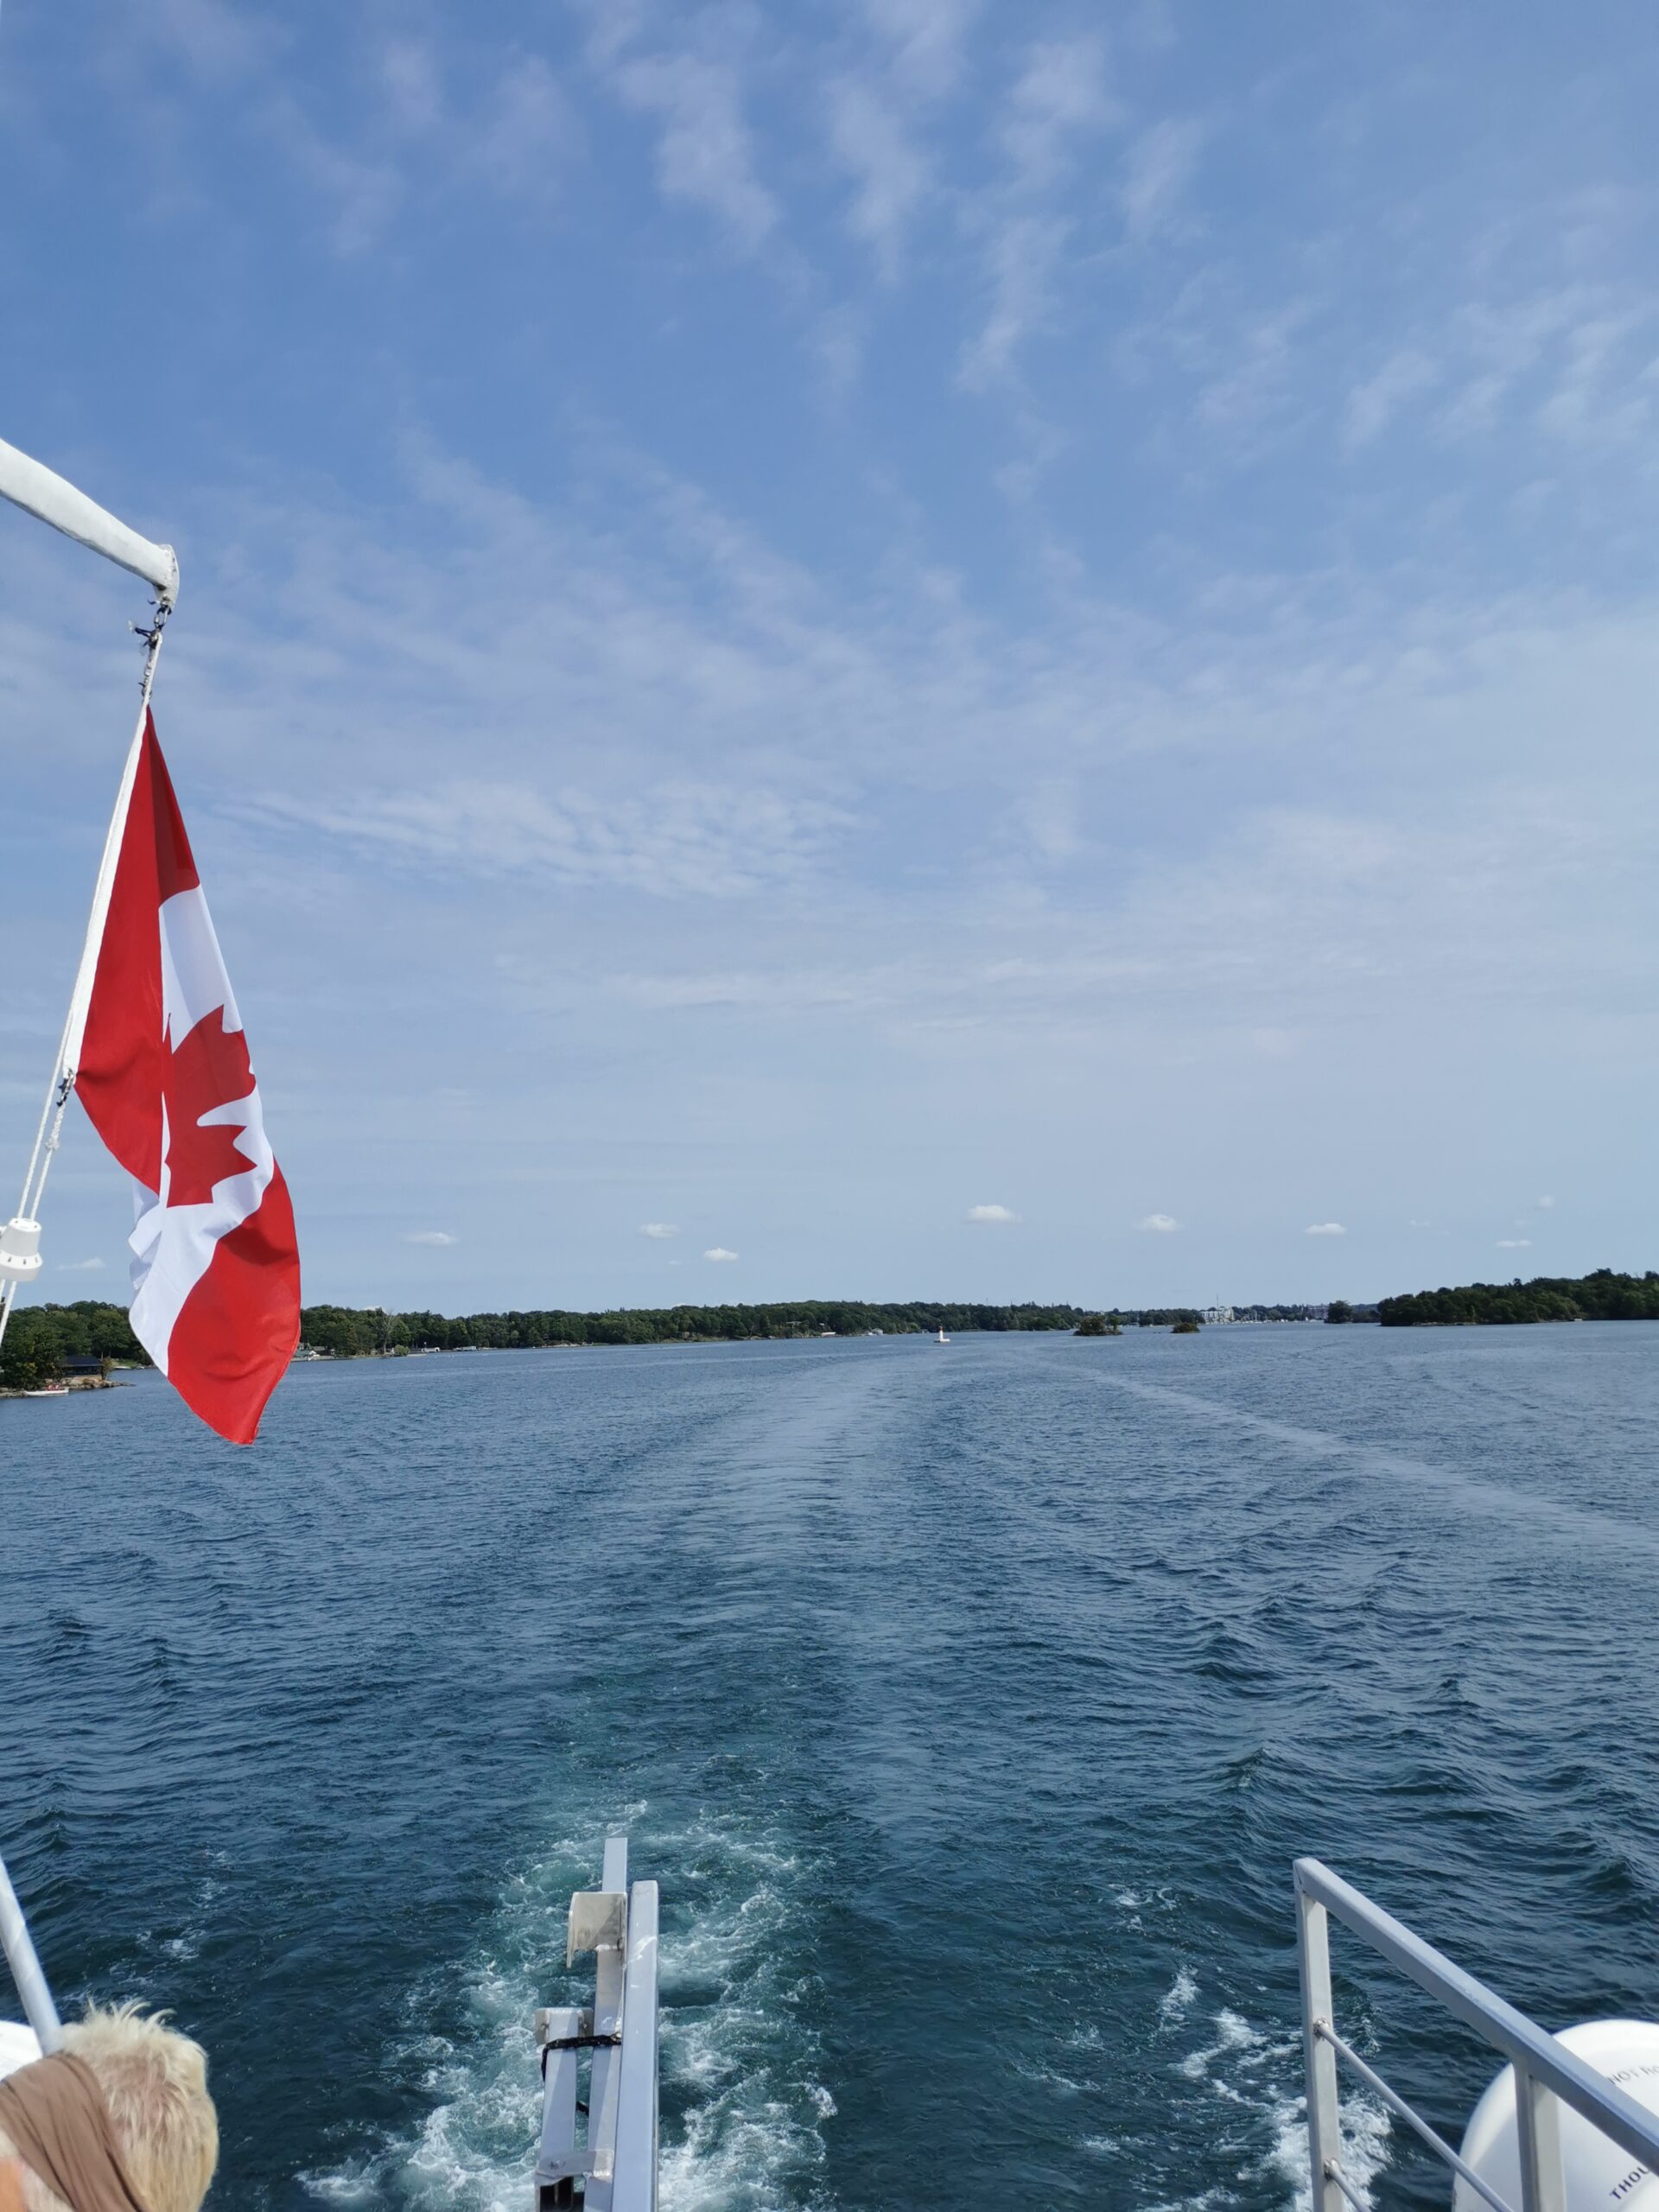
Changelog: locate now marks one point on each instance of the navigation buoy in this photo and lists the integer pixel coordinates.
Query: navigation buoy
(1599, 2175)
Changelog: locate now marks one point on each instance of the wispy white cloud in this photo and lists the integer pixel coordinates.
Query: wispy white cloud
(411, 83)
(925, 40)
(217, 43)
(684, 74)
(523, 139)
(1373, 405)
(1157, 171)
(1324, 1229)
(873, 144)
(683, 841)
(1160, 1224)
(362, 186)
(79, 1266)
(1515, 1243)
(1545, 1205)
(1060, 98)
(438, 1239)
(719, 1252)
(657, 1228)
(991, 1214)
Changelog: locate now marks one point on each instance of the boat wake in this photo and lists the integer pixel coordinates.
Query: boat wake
(1251, 2071)
(743, 2107)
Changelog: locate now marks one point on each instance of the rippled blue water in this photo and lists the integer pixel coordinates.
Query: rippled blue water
(970, 1703)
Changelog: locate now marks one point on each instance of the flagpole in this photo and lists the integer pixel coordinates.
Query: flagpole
(74, 1028)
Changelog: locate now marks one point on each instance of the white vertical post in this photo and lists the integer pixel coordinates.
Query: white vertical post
(26, 1967)
(635, 2187)
(608, 1990)
(1537, 2119)
(1323, 2115)
(557, 2160)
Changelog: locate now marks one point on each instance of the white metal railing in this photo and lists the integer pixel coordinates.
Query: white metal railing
(615, 2159)
(21, 1956)
(1545, 2071)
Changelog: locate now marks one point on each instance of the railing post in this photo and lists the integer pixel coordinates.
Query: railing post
(19, 1948)
(557, 2161)
(1324, 2119)
(608, 2020)
(635, 2187)
(1538, 2127)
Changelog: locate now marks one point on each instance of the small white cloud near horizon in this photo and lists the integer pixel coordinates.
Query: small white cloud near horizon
(657, 1228)
(1162, 1225)
(1544, 1205)
(1324, 1229)
(991, 1213)
(1515, 1243)
(719, 1252)
(78, 1266)
(435, 1238)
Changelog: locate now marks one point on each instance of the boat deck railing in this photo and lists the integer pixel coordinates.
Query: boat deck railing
(1546, 2073)
(615, 2159)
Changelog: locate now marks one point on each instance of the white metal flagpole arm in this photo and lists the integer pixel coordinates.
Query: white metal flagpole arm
(52, 499)
(26, 1966)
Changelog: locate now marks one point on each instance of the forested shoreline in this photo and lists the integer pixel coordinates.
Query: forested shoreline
(40, 1339)
(347, 1332)
(1603, 1295)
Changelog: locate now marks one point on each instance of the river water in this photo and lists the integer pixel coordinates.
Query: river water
(971, 1703)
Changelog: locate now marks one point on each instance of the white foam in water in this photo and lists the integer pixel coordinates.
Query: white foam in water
(733, 2047)
(1177, 2000)
(1244, 2067)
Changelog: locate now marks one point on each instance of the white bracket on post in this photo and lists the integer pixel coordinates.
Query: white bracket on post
(599, 1921)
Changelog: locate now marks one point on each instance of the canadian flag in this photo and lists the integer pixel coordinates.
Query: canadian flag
(164, 1071)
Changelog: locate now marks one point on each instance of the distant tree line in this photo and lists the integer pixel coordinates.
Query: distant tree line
(1602, 1296)
(356, 1332)
(38, 1339)
(350, 1333)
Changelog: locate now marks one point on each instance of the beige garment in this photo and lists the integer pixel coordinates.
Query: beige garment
(54, 2113)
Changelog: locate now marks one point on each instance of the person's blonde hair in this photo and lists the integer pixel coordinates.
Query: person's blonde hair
(154, 2083)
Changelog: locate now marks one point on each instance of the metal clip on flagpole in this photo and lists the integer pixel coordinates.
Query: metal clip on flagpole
(26, 1967)
(52, 500)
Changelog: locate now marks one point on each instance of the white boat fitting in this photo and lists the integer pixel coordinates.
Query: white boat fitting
(52, 499)
(616, 2161)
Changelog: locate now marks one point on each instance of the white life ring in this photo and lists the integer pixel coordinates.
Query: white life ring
(1599, 2176)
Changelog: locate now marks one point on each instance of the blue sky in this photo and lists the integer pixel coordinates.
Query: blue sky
(954, 649)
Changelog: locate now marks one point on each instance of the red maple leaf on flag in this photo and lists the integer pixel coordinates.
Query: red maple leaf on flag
(209, 1069)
